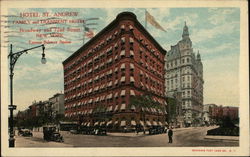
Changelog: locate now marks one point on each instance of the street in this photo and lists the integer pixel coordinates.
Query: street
(183, 137)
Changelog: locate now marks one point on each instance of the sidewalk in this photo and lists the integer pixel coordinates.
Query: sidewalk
(228, 138)
(123, 134)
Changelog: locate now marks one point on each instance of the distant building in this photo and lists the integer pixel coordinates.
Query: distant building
(57, 104)
(206, 113)
(184, 74)
(122, 61)
(219, 112)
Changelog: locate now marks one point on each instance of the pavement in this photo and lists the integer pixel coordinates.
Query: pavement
(183, 137)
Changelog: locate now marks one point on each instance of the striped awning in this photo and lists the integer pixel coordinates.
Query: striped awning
(148, 123)
(132, 92)
(131, 40)
(123, 92)
(123, 107)
(122, 26)
(110, 122)
(123, 123)
(132, 79)
(116, 108)
(131, 53)
(122, 53)
(123, 64)
(123, 79)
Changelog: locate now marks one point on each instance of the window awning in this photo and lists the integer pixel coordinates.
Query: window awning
(133, 122)
(122, 53)
(116, 82)
(110, 60)
(96, 88)
(160, 123)
(96, 123)
(116, 108)
(96, 67)
(154, 123)
(90, 101)
(123, 39)
(109, 72)
(123, 92)
(131, 27)
(132, 92)
(123, 79)
(116, 69)
(122, 26)
(116, 94)
(90, 111)
(148, 123)
(110, 122)
(141, 123)
(90, 70)
(90, 90)
(123, 107)
(89, 61)
(132, 79)
(132, 107)
(116, 45)
(131, 40)
(132, 66)
(109, 96)
(97, 99)
(123, 123)
(110, 108)
(110, 84)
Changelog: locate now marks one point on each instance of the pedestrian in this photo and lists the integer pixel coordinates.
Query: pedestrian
(170, 134)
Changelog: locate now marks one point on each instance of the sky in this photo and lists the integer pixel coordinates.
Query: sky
(214, 32)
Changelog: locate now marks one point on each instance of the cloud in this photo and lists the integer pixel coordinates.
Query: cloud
(210, 33)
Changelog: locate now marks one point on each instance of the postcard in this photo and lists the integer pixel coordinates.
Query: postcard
(124, 78)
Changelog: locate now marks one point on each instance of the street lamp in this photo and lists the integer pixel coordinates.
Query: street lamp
(13, 58)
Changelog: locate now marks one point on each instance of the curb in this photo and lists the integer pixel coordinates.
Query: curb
(220, 139)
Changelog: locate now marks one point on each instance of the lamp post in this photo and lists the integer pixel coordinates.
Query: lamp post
(13, 58)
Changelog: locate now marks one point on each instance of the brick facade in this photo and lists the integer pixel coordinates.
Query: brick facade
(120, 62)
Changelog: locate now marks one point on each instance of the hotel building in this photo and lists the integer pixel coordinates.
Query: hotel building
(121, 62)
(184, 77)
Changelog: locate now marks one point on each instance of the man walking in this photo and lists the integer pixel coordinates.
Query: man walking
(170, 134)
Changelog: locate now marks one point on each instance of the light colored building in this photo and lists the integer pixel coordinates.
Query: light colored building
(57, 104)
(207, 113)
(184, 74)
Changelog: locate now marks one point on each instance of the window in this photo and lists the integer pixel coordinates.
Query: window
(187, 60)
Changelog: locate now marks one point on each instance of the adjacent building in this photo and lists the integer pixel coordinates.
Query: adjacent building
(220, 112)
(184, 76)
(207, 119)
(121, 62)
(57, 104)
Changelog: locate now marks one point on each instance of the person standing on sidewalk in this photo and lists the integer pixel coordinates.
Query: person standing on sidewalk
(170, 134)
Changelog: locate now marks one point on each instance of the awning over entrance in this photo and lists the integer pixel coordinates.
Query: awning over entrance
(123, 123)
(148, 123)
(123, 107)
